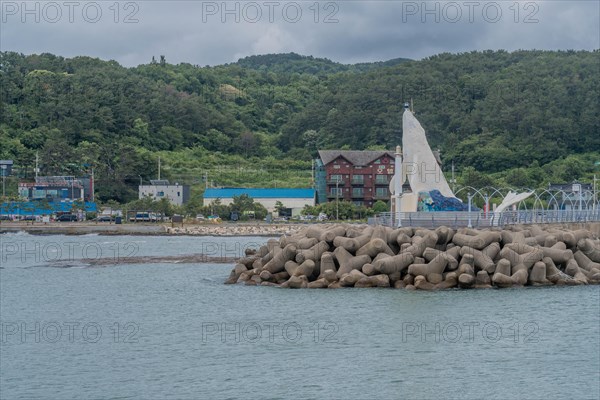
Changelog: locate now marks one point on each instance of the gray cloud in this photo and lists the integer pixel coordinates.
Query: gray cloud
(205, 32)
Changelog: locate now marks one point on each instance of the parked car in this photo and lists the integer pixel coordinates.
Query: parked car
(67, 218)
(144, 217)
(104, 218)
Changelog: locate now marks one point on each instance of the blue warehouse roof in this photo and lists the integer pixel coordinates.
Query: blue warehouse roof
(260, 193)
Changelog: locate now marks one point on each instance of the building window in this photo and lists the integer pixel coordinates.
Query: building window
(178, 194)
(358, 203)
(381, 179)
(336, 167)
(377, 162)
(160, 194)
(358, 179)
(335, 178)
(358, 192)
(381, 192)
(336, 191)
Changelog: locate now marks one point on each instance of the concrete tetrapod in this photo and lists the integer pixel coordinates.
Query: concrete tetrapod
(342, 255)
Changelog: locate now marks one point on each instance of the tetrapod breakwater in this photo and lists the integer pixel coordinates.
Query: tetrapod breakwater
(342, 255)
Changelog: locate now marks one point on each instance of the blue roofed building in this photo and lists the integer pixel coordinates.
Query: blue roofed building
(295, 199)
(16, 209)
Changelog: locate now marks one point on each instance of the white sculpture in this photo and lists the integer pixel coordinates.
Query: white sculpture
(419, 165)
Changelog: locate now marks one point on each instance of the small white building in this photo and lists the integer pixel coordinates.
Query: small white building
(295, 199)
(158, 189)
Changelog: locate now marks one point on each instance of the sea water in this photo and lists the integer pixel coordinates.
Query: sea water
(73, 330)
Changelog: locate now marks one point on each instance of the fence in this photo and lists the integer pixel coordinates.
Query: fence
(482, 219)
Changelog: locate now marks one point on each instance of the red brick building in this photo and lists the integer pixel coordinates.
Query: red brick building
(362, 177)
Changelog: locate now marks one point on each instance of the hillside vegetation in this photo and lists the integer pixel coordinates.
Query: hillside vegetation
(522, 118)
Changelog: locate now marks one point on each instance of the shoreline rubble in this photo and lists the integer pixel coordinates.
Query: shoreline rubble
(343, 255)
(235, 230)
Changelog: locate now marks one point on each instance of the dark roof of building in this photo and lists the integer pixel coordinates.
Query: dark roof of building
(260, 193)
(356, 157)
(159, 182)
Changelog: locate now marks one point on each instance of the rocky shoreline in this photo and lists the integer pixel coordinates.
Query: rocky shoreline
(86, 228)
(341, 255)
(236, 230)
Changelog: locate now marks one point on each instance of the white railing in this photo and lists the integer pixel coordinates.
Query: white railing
(482, 219)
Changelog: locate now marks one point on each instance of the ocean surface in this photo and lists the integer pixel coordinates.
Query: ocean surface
(73, 330)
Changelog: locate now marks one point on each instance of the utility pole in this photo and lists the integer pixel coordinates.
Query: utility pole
(337, 199)
(398, 185)
(92, 185)
(36, 165)
(159, 168)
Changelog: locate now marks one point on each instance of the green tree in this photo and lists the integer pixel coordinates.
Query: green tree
(242, 203)
(380, 206)
(164, 207)
(279, 207)
(471, 177)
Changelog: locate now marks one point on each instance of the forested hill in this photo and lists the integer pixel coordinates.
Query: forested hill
(295, 63)
(489, 110)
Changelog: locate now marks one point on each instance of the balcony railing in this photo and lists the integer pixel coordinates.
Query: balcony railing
(357, 181)
(356, 195)
(336, 181)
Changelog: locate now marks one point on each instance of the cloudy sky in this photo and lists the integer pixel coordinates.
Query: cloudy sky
(216, 32)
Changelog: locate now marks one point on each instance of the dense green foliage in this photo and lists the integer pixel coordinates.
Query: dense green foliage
(294, 63)
(521, 118)
(342, 210)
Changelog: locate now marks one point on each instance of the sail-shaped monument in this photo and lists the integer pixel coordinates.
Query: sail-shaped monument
(429, 189)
